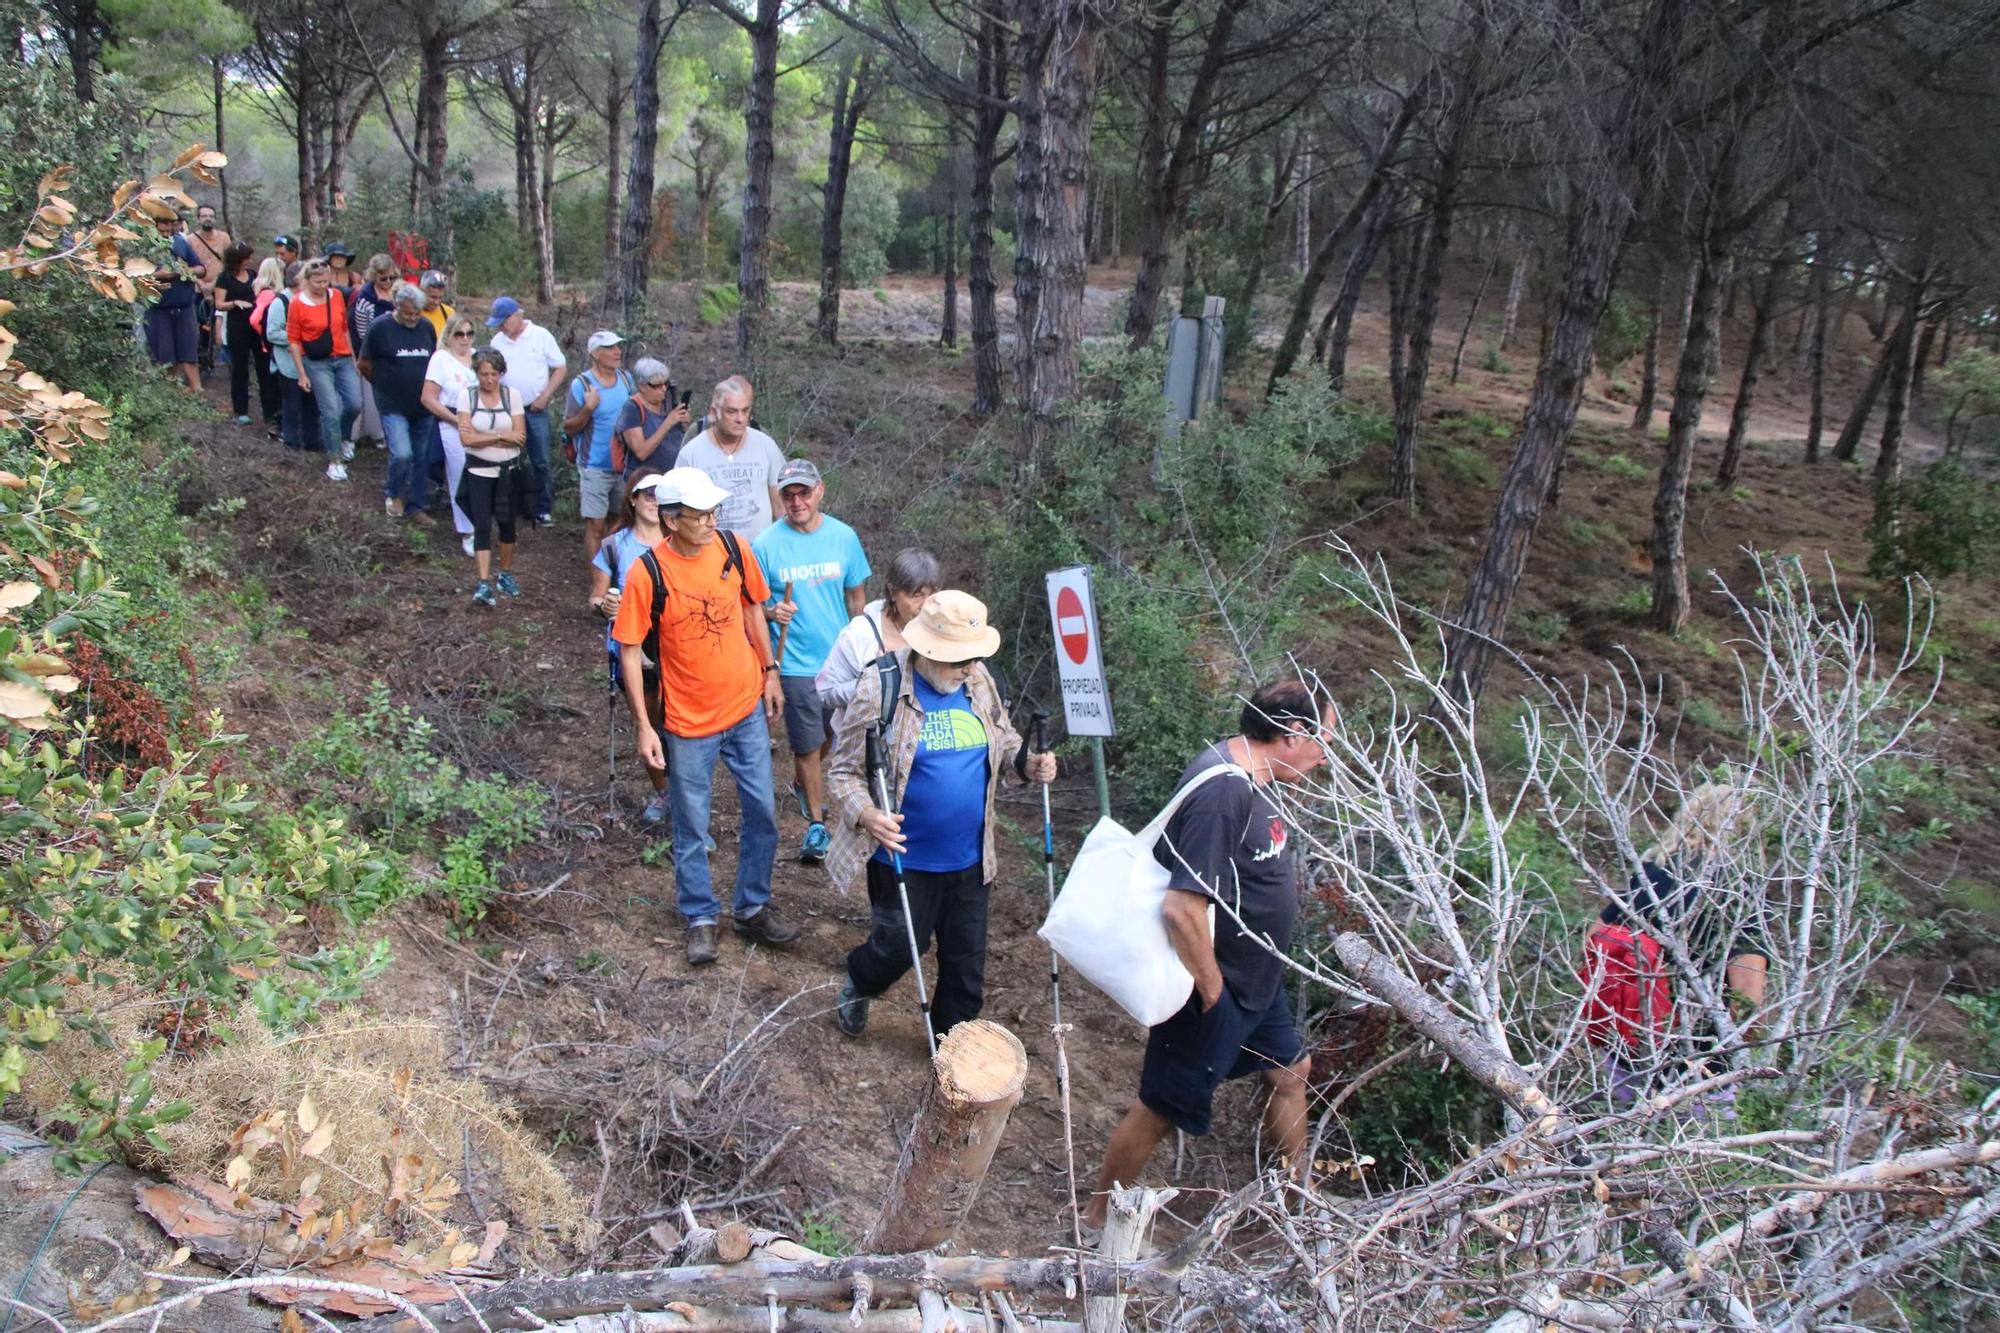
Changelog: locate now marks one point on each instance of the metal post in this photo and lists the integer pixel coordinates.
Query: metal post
(1103, 780)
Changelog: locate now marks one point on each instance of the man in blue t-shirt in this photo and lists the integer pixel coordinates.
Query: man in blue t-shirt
(815, 566)
(173, 336)
(594, 402)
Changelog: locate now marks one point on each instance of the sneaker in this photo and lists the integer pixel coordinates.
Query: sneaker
(657, 809)
(700, 945)
(813, 849)
(243, 421)
(766, 928)
(483, 594)
(347, 451)
(392, 506)
(466, 546)
(505, 583)
(850, 1015)
(336, 472)
(544, 519)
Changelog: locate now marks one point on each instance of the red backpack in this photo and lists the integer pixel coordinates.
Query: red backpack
(1626, 992)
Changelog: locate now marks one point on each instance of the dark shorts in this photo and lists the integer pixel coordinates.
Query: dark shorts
(172, 337)
(805, 720)
(1191, 1054)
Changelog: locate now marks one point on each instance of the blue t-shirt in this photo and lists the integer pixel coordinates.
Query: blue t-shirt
(604, 417)
(180, 292)
(944, 802)
(624, 549)
(821, 566)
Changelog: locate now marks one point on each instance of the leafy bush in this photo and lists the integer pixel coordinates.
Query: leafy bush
(1620, 333)
(718, 304)
(1949, 523)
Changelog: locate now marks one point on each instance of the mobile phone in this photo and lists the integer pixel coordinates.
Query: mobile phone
(686, 396)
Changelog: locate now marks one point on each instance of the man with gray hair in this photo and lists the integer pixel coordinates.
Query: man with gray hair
(739, 458)
(652, 424)
(394, 355)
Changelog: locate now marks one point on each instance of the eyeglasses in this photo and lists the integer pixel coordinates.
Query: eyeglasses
(697, 515)
(463, 333)
(654, 384)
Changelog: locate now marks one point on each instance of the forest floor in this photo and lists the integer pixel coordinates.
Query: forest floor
(579, 966)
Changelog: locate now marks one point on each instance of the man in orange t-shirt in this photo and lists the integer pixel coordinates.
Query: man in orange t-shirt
(720, 693)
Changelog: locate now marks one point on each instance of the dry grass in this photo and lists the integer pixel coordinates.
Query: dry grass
(351, 1067)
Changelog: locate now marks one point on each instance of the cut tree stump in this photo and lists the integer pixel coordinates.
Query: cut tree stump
(1126, 1225)
(976, 1079)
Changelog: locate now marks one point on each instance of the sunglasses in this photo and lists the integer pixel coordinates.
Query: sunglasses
(654, 384)
(463, 333)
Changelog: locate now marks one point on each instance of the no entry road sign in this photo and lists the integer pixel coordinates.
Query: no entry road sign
(1079, 653)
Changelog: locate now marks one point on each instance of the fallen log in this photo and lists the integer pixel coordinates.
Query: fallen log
(536, 1303)
(976, 1080)
(758, 1319)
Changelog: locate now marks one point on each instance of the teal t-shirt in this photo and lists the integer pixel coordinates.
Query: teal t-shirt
(821, 566)
(603, 418)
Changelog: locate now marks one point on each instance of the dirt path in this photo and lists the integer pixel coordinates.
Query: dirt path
(561, 979)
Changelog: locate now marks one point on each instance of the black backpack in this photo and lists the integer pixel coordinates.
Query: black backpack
(732, 557)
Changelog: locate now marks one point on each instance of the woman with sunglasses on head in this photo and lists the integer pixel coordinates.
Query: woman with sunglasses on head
(651, 426)
(447, 381)
(492, 428)
(912, 576)
(638, 530)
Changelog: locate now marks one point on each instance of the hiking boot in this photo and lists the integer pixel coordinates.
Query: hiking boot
(850, 1015)
(483, 594)
(766, 928)
(657, 809)
(812, 850)
(336, 472)
(700, 945)
(505, 583)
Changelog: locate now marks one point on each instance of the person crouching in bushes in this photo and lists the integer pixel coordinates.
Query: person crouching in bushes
(946, 748)
(637, 531)
(492, 425)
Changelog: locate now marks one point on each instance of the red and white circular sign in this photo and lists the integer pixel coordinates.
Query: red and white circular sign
(1072, 626)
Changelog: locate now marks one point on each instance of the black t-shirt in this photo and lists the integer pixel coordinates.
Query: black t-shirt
(397, 358)
(1668, 899)
(230, 288)
(1228, 842)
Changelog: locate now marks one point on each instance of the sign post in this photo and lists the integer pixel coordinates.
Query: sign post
(1086, 694)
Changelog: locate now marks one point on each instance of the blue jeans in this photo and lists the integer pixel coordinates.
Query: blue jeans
(746, 750)
(538, 455)
(409, 441)
(335, 380)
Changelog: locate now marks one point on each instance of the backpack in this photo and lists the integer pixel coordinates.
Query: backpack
(732, 555)
(1627, 996)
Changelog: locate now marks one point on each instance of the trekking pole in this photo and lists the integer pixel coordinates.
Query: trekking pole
(778, 653)
(879, 778)
(611, 741)
(1041, 746)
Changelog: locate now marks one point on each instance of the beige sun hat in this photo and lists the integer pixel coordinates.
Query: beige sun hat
(952, 627)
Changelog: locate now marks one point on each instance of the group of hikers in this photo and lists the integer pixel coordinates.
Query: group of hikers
(734, 602)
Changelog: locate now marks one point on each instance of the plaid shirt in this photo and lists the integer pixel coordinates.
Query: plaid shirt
(847, 790)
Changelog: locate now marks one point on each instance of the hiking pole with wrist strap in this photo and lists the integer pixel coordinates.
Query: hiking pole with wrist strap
(878, 778)
(1041, 746)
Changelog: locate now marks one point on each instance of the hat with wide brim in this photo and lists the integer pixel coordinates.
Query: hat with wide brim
(952, 627)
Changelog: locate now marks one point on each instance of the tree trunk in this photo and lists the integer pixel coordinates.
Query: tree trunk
(948, 324)
(1349, 298)
(1471, 316)
(545, 214)
(83, 38)
(981, 283)
(1816, 355)
(1849, 442)
(1649, 381)
(1762, 317)
(1329, 246)
(1691, 379)
(627, 293)
(1156, 203)
(753, 282)
(304, 93)
(1517, 289)
(976, 1080)
(615, 92)
(1239, 321)
(1901, 363)
(1921, 359)
(222, 146)
(433, 88)
(524, 166)
(1596, 233)
(850, 101)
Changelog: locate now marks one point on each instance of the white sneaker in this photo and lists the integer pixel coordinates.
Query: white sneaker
(347, 451)
(466, 546)
(336, 472)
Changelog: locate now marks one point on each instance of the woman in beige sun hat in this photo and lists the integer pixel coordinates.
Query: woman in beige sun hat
(947, 746)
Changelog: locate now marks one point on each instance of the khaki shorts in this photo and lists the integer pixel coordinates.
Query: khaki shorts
(594, 487)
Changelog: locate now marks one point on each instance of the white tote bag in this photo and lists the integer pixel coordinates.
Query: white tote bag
(1107, 923)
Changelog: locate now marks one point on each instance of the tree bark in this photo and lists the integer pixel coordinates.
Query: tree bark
(1517, 289)
(616, 91)
(1051, 271)
(1649, 381)
(976, 1080)
(626, 294)
(1471, 316)
(1762, 318)
(852, 89)
(433, 89)
(987, 118)
(221, 144)
(1816, 355)
(1243, 307)
(1849, 442)
(1329, 246)
(1901, 362)
(753, 281)
(948, 324)
(1691, 380)
(545, 221)
(1348, 300)
(304, 97)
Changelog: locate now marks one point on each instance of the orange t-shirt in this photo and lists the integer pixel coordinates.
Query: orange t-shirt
(306, 320)
(710, 676)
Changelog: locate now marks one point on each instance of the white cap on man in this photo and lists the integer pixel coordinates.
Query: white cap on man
(603, 338)
(688, 487)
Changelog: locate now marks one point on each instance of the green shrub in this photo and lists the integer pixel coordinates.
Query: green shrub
(718, 304)
(1462, 465)
(1949, 523)
(1618, 465)
(1621, 332)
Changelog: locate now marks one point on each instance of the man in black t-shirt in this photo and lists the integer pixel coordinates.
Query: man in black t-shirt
(1226, 850)
(394, 356)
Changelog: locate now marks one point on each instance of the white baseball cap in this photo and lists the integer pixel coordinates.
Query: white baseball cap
(688, 487)
(603, 338)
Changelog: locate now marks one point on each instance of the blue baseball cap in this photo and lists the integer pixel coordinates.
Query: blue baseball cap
(504, 309)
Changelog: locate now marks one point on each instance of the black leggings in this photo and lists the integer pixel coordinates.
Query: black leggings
(488, 502)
